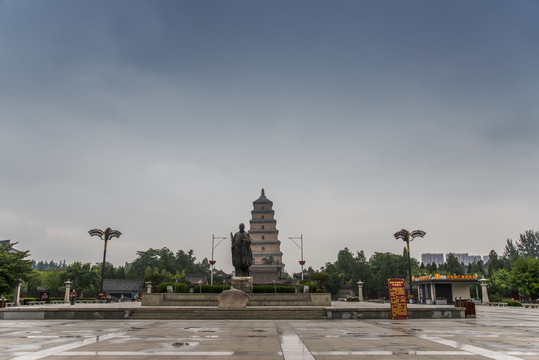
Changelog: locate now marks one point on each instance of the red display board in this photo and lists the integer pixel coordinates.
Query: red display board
(397, 296)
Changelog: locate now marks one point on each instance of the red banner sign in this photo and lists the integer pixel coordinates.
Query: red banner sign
(397, 296)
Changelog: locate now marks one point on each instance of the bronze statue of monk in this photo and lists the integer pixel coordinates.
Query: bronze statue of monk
(242, 257)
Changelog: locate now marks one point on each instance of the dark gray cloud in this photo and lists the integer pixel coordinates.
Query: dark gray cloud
(164, 119)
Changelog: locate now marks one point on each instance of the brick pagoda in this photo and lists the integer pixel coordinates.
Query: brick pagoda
(266, 247)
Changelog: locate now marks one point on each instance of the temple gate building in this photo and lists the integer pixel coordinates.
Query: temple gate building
(266, 247)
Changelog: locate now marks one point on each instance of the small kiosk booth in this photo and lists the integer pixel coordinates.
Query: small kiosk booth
(447, 287)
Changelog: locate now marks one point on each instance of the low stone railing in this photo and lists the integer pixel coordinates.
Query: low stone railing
(31, 303)
(497, 304)
(255, 299)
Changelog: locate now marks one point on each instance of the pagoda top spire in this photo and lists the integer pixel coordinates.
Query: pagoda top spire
(263, 198)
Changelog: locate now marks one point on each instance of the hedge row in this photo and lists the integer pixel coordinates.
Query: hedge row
(272, 289)
(210, 288)
(511, 302)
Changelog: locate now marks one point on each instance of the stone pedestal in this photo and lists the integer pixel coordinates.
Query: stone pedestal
(233, 299)
(484, 283)
(68, 289)
(243, 283)
(17, 295)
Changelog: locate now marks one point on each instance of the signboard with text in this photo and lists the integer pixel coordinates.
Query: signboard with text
(397, 296)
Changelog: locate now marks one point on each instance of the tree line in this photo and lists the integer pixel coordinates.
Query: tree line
(516, 271)
(156, 265)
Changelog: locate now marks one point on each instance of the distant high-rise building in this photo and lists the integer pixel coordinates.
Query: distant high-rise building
(475, 259)
(464, 258)
(430, 258)
(266, 247)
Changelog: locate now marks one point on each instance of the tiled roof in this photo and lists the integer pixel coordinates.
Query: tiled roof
(262, 199)
(123, 285)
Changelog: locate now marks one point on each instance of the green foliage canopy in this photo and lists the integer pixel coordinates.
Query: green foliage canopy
(164, 259)
(387, 266)
(13, 267)
(85, 278)
(452, 266)
(528, 244)
(525, 275)
(499, 283)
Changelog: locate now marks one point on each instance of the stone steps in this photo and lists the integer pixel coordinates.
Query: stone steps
(206, 313)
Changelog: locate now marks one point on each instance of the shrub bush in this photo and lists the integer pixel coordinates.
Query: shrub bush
(312, 286)
(178, 288)
(26, 300)
(266, 289)
(512, 302)
(495, 298)
(210, 289)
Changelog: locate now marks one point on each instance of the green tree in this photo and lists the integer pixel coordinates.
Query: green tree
(86, 280)
(499, 282)
(477, 267)
(13, 267)
(525, 276)
(50, 280)
(348, 269)
(52, 265)
(528, 244)
(149, 258)
(156, 278)
(121, 273)
(364, 272)
(452, 266)
(131, 273)
(32, 282)
(510, 253)
(164, 259)
(335, 280)
(494, 262)
(110, 271)
(386, 266)
(431, 268)
(147, 273)
(320, 278)
(181, 277)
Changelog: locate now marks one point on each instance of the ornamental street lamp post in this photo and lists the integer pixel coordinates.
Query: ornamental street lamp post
(106, 236)
(300, 245)
(405, 235)
(212, 261)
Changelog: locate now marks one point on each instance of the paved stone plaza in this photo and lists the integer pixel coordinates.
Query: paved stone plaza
(496, 333)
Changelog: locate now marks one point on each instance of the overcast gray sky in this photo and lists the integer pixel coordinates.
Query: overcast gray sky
(164, 119)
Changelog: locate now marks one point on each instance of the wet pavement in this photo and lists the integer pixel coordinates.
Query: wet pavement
(496, 333)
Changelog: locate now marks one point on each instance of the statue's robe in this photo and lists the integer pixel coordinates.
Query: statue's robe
(242, 257)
